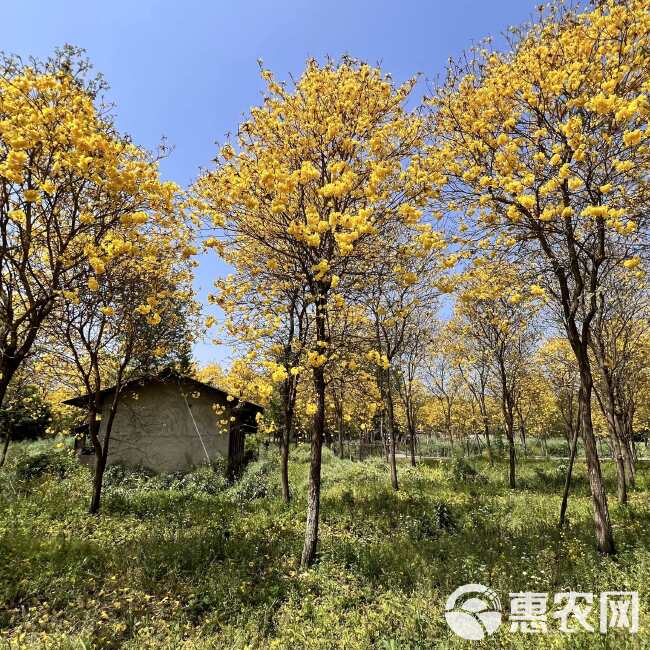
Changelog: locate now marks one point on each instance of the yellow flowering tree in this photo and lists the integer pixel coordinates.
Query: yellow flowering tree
(400, 295)
(409, 370)
(67, 178)
(444, 383)
(545, 150)
(268, 317)
(619, 344)
(323, 175)
(475, 366)
(497, 315)
(132, 311)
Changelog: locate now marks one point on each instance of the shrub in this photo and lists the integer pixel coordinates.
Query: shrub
(461, 470)
(118, 475)
(433, 520)
(53, 463)
(258, 480)
(202, 480)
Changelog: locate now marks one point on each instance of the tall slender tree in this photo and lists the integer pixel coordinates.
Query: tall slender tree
(322, 177)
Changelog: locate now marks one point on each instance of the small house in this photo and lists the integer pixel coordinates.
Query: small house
(170, 422)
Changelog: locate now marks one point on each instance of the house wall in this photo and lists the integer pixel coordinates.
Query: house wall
(153, 428)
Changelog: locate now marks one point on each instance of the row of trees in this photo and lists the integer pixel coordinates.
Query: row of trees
(517, 193)
(342, 212)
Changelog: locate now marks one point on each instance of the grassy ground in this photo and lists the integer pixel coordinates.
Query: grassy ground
(194, 563)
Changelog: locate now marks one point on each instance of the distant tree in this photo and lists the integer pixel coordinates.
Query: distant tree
(498, 316)
(24, 414)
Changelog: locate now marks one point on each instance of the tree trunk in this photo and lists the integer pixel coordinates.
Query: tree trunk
(391, 435)
(285, 439)
(608, 404)
(603, 526)
(98, 480)
(101, 447)
(5, 447)
(510, 434)
(628, 456)
(284, 467)
(569, 472)
(412, 444)
(313, 491)
(93, 430)
(339, 418)
(617, 455)
(4, 384)
(486, 427)
(512, 461)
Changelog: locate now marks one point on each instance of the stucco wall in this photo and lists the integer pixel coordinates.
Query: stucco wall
(153, 428)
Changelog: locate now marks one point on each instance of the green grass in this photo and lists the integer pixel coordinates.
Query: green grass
(194, 563)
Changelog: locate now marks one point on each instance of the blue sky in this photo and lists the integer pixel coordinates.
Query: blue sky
(187, 69)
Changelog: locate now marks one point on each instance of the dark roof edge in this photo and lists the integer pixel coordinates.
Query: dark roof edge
(164, 376)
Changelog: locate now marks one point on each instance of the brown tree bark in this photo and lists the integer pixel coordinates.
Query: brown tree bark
(508, 416)
(101, 446)
(391, 432)
(4, 384)
(603, 526)
(5, 447)
(313, 491)
(486, 428)
(627, 447)
(617, 455)
(285, 439)
(98, 478)
(567, 481)
(412, 445)
(512, 457)
(608, 400)
(284, 467)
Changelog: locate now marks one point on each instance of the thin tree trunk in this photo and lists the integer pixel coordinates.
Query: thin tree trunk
(93, 429)
(98, 481)
(313, 492)
(628, 457)
(285, 439)
(512, 458)
(5, 447)
(103, 446)
(412, 444)
(567, 481)
(487, 441)
(391, 435)
(4, 384)
(284, 466)
(603, 526)
(510, 434)
(617, 455)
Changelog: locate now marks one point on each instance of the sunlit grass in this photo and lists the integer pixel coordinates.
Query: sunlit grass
(207, 565)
